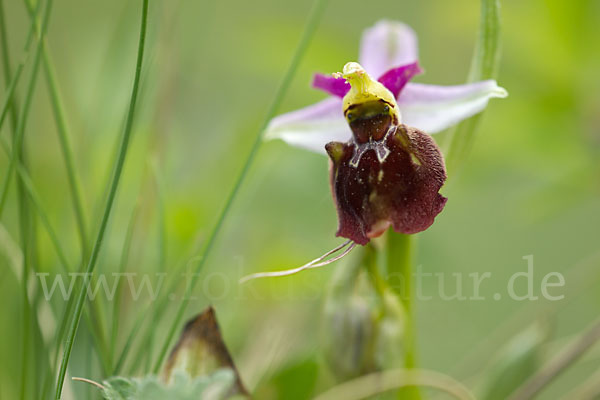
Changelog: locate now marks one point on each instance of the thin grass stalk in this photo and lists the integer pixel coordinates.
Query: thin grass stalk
(10, 92)
(38, 205)
(162, 250)
(129, 342)
(310, 27)
(25, 219)
(484, 65)
(98, 341)
(25, 228)
(22, 120)
(109, 203)
(159, 309)
(11, 82)
(6, 67)
(64, 136)
(117, 300)
(558, 364)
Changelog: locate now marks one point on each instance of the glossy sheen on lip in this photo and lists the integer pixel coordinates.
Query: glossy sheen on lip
(402, 190)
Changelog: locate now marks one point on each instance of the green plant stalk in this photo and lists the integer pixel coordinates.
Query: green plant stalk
(6, 62)
(25, 228)
(158, 310)
(559, 363)
(98, 340)
(162, 251)
(43, 367)
(24, 214)
(129, 342)
(109, 202)
(37, 203)
(484, 65)
(24, 187)
(31, 34)
(117, 300)
(10, 103)
(10, 92)
(25, 220)
(399, 276)
(310, 27)
(64, 137)
(159, 307)
(103, 355)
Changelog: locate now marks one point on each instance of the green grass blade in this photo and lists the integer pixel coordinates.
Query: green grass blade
(38, 205)
(162, 250)
(158, 308)
(129, 342)
(109, 202)
(125, 251)
(26, 223)
(10, 103)
(310, 27)
(10, 92)
(64, 137)
(6, 67)
(20, 129)
(97, 339)
(484, 66)
(559, 363)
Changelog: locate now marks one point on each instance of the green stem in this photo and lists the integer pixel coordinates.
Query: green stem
(63, 136)
(26, 222)
(109, 203)
(10, 92)
(99, 338)
(6, 62)
(483, 66)
(22, 121)
(309, 29)
(117, 300)
(99, 341)
(399, 275)
(558, 364)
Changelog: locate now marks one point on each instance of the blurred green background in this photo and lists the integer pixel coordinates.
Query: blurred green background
(530, 187)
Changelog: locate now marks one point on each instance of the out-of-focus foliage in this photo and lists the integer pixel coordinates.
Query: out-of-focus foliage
(531, 185)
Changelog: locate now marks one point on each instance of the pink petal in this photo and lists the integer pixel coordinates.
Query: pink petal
(386, 45)
(433, 108)
(330, 84)
(311, 127)
(396, 78)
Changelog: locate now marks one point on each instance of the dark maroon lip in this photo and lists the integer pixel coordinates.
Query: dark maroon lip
(401, 189)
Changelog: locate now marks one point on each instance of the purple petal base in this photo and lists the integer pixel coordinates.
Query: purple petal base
(394, 79)
(330, 84)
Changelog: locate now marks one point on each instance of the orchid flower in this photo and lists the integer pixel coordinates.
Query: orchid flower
(384, 170)
(388, 52)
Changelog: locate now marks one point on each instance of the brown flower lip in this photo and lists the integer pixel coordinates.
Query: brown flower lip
(381, 181)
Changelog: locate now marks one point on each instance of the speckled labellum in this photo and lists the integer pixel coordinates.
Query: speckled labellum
(387, 173)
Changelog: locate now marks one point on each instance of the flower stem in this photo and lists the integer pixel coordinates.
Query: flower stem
(483, 66)
(309, 29)
(399, 275)
(109, 202)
